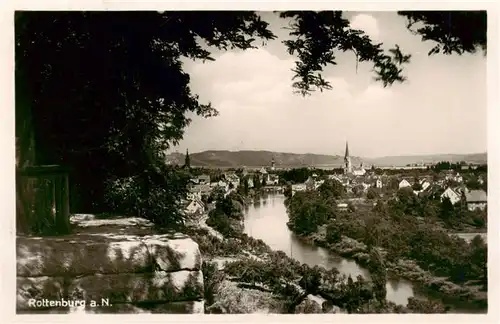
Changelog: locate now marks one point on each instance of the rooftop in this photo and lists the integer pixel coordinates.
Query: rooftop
(476, 196)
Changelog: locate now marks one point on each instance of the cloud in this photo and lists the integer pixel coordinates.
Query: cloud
(374, 94)
(254, 78)
(258, 110)
(366, 23)
(253, 92)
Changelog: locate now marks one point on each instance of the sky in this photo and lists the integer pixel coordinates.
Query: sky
(440, 109)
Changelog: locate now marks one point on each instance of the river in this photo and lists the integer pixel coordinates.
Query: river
(266, 219)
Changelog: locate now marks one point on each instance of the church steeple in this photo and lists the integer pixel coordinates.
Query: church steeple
(187, 160)
(347, 160)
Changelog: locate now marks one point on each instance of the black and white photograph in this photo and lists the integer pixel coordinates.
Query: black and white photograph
(251, 162)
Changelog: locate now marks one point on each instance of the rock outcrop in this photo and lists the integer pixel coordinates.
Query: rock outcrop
(109, 266)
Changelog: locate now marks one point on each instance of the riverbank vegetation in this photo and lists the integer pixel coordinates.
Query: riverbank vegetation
(227, 216)
(243, 266)
(404, 228)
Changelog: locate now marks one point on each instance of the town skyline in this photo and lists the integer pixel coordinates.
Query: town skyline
(444, 97)
(333, 153)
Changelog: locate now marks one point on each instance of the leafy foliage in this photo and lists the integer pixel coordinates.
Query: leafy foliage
(372, 193)
(407, 238)
(318, 35)
(227, 215)
(331, 188)
(406, 228)
(424, 306)
(108, 93)
(211, 279)
(307, 211)
(148, 195)
(454, 31)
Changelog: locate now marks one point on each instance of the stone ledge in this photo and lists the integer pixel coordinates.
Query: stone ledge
(105, 253)
(121, 260)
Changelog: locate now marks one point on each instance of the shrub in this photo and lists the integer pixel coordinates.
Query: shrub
(425, 306)
(149, 197)
(220, 222)
(372, 193)
(333, 234)
(211, 279)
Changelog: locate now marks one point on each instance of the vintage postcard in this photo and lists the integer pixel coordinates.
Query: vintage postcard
(274, 161)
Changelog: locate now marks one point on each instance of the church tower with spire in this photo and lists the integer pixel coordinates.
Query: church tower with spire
(347, 160)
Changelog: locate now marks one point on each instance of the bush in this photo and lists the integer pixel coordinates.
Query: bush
(333, 234)
(211, 279)
(220, 222)
(307, 211)
(425, 306)
(149, 197)
(372, 193)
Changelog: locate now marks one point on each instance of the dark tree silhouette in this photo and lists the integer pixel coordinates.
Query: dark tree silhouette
(108, 95)
(449, 29)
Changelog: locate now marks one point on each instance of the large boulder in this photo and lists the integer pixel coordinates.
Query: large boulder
(120, 264)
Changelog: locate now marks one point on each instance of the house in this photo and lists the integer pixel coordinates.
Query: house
(359, 171)
(452, 195)
(458, 178)
(298, 187)
(476, 199)
(448, 177)
(201, 189)
(404, 184)
(318, 183)
(334, 177)
(250, 182)
(263, 171)
(233, 179)
(203, 179)
(309, 183)
(425, 184)
(193, 195)
(378, 183)
(223, 185)
(272, 180)
(194, 207)
(461, 189)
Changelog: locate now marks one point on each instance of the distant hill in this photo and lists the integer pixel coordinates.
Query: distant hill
(227, 159)
(412, 159)
(257, 159)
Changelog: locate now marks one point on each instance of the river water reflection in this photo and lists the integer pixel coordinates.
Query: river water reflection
(266, 220)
